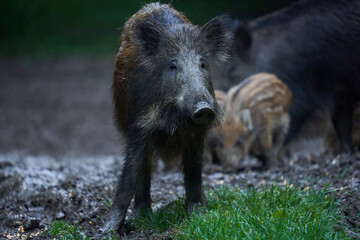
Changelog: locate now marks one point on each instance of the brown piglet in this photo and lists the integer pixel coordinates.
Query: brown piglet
(256, 121)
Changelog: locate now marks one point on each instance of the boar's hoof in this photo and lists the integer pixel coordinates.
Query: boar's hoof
(113, 224)
(112, 233)
(194, 207)
(204, 114)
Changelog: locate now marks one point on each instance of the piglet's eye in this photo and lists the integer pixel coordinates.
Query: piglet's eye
(173, 66)
(239, 142)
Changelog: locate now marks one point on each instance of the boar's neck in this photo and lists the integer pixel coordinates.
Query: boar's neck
(274, 40)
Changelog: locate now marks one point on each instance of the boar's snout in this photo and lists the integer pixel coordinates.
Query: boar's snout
(203, 114)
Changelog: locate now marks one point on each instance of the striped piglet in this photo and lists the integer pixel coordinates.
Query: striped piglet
(256, 121)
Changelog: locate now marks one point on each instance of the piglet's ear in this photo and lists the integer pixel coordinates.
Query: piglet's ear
(218, 36)
(146, 37)
(245, 118)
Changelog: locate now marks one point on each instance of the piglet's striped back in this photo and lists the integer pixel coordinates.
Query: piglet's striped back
(261, 90)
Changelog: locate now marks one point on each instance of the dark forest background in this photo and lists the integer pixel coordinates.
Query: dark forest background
(79, 27)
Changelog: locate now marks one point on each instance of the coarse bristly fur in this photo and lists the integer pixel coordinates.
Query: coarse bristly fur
(161, 79)
(313, 46)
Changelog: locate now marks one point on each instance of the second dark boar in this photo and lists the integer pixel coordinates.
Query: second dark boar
(313, 46)
(164, 99)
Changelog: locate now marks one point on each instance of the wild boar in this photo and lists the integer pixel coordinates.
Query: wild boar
(164, 100)
(256, 120)
(313, 46)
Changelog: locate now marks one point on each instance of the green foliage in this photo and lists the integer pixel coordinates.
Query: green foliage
(272, 212)
(50, 27)
(269, 213)
(40, 27)
(55, 28)
(65, 231)
(106, 205)
(161, 220)
(61, 230)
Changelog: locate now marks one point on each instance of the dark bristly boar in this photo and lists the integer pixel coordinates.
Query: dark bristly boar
(164, 100)
(256, 120)
(313, 46)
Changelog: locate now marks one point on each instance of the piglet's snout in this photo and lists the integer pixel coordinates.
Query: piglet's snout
(203, 114)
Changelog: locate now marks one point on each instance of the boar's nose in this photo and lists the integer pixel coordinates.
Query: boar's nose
(203, 114)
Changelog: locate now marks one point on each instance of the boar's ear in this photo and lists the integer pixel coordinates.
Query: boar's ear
(245, 118)
(242, 38)
(218, 36)
(146, 37)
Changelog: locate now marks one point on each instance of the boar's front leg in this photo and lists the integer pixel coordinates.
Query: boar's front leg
(126, 187)
(342, 120)
(142, 192)
(192, 164)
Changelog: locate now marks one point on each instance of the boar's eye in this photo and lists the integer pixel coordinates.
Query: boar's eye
(203, 64)
(173, 66)
(239, 142)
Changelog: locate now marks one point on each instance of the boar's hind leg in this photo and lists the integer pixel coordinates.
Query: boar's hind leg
(127, 183)
(192, 164)
(142, 192)
(342, 120)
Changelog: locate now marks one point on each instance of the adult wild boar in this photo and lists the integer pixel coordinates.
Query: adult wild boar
(164, 99)
(314, 47)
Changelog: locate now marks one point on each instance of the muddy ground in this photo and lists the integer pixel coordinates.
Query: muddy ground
(60, 154)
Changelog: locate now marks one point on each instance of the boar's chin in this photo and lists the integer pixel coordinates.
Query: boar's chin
(178, 124)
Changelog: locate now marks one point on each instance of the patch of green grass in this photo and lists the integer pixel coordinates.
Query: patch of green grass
(160, 221)
(272, 212)
(63, 230)
(269, 213)
(106, 205)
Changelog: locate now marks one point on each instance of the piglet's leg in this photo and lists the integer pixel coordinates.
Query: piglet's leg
(267, 156)
(279, 136)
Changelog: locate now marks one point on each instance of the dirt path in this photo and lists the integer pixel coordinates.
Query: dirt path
(37, 190)
(60, 154)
